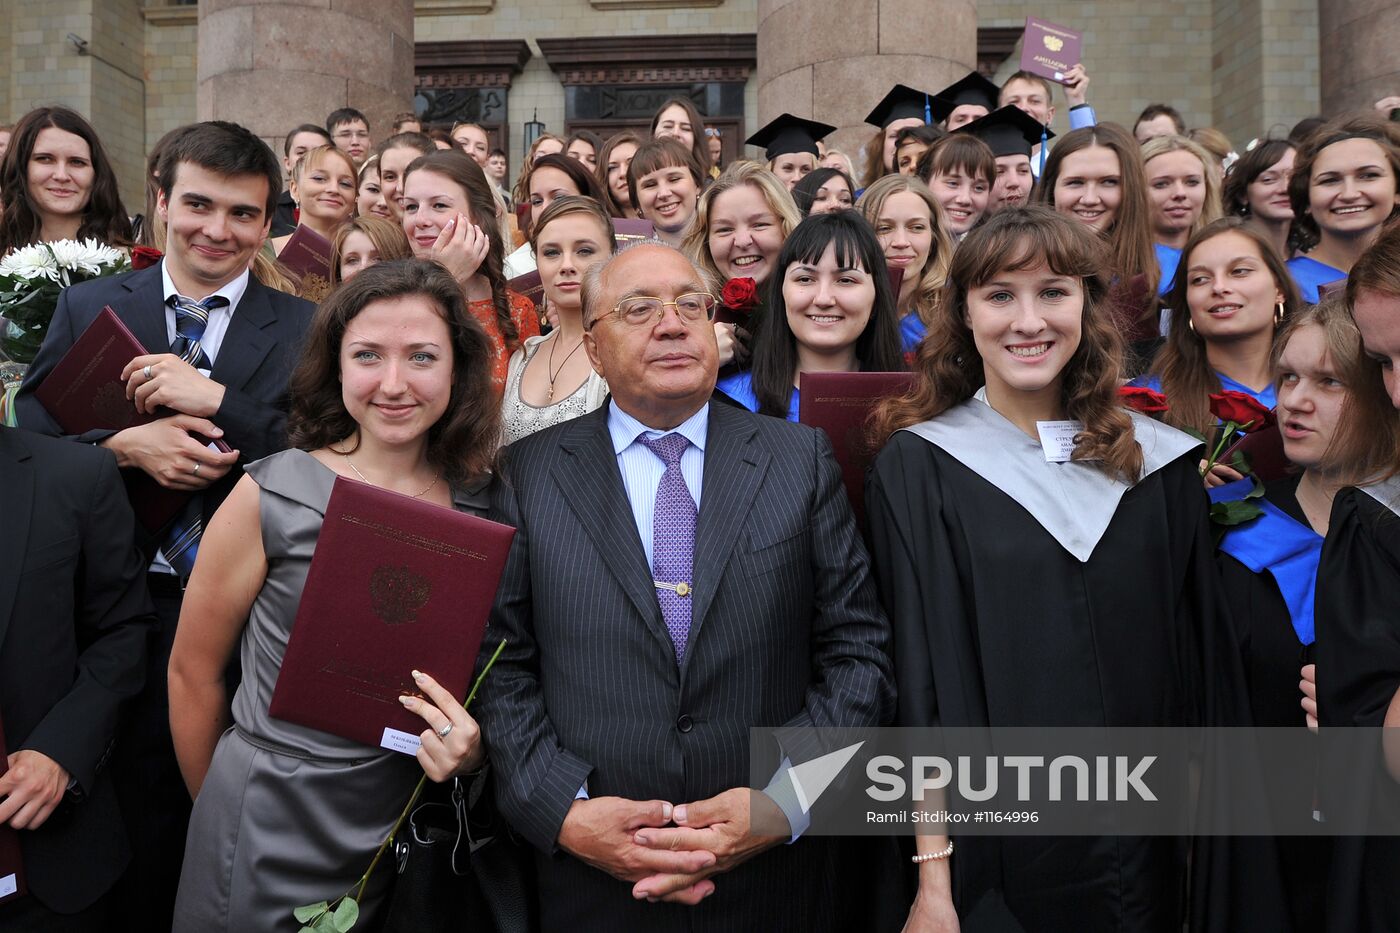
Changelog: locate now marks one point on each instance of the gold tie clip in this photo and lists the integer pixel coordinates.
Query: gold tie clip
(680, 589)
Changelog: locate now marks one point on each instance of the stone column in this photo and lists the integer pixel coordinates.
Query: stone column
(1358, 39)
(273, 65)
(833, 62)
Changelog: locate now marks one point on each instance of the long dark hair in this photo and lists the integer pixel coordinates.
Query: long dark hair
(462, 444)
(463, 171)
(1187, 378)
(573, 169)
(805, 191)
(1129, 237)
(774, 346)
(1234, 195)
(103, 217)
(604, 154)
(950, 370)
(700, 149)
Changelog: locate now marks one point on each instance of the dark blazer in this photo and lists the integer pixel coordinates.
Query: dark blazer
(74, 617)
(786, 630)
(259, 350)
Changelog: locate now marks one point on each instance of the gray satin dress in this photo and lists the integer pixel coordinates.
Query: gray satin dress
(288, 815)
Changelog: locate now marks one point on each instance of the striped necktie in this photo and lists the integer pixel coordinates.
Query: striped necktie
(191, 317)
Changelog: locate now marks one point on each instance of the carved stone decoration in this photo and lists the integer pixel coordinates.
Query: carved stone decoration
(675, 59)
(468, 82)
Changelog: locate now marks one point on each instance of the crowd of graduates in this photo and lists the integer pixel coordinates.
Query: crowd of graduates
(1217, 322)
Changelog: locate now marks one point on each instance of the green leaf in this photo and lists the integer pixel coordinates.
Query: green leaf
(1234, 513)
(324, 923)
(1196, 434)
(346, 915)
(309, 912)
(1257, 492)
(1240, 461)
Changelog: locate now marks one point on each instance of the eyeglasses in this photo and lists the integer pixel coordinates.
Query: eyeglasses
(641, 310)
(352, 134)
(711, 131)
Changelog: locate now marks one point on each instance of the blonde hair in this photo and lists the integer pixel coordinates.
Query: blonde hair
(314, 157)
(696, 243)
(1365, 445)
(388, 239)
(940, 258)
(1212, 209)
(848, 168)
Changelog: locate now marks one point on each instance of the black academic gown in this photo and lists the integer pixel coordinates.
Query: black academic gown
(1358, 672)
(1272, 658)
(997, 623)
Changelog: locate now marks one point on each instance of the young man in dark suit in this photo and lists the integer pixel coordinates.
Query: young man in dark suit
(74, 618)
(682, 572)
(221, 348)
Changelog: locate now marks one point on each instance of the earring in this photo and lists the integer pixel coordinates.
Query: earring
(1278, 314)
(1190, 324)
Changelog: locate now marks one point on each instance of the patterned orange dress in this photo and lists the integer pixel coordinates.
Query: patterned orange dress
(527, 324)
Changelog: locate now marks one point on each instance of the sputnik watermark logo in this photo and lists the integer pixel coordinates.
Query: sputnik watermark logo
(1116, 778)
(811, 778)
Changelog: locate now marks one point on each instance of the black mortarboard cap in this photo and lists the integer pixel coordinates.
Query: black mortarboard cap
(901, 103)
(1008, 131)
(787, 134)
(971, 89)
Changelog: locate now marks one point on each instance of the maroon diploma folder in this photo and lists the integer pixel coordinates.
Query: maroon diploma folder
(627, 229)
(840, 404)
(1049, 50)
(396, 585)
(1264, 451)
(85, 392)
(11, 862)
(308, 255)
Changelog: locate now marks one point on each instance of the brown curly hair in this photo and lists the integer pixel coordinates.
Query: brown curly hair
(462, 444)
(949, 369)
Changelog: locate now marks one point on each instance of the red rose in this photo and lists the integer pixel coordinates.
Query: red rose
(740, 294)
(1241, 409)
(143, 257)
(1148, 401)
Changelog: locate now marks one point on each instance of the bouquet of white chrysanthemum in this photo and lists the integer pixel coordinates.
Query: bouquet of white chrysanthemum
(31, 280)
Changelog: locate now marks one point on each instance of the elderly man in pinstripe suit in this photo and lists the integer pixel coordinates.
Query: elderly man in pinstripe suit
(682, 572)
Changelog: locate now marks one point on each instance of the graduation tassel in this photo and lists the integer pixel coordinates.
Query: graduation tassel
(1044, 149)
(928, 112)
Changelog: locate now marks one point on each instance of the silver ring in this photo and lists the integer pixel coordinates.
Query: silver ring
(147, 370)
(195, 471)
(444, 731)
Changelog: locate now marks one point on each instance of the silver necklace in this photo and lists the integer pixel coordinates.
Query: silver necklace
(427, 489)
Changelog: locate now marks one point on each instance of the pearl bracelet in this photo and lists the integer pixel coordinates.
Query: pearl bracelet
(933, 856)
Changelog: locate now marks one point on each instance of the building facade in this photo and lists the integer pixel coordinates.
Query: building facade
(1248, 67)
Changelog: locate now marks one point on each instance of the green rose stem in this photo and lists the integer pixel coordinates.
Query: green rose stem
(1230, 429)
(313, 921)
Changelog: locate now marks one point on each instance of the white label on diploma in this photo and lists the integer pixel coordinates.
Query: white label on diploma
(396, 741)
(8, 885)
(1057, 438)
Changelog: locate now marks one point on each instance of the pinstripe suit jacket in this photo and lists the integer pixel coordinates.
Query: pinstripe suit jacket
(786, 630)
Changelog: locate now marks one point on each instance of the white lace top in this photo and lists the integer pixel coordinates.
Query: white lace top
(521, 419)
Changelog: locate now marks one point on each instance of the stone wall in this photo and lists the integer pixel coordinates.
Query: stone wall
(537, 87)
(1260, 55)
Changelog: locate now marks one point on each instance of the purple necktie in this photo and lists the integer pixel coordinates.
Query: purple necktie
(673, 539)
